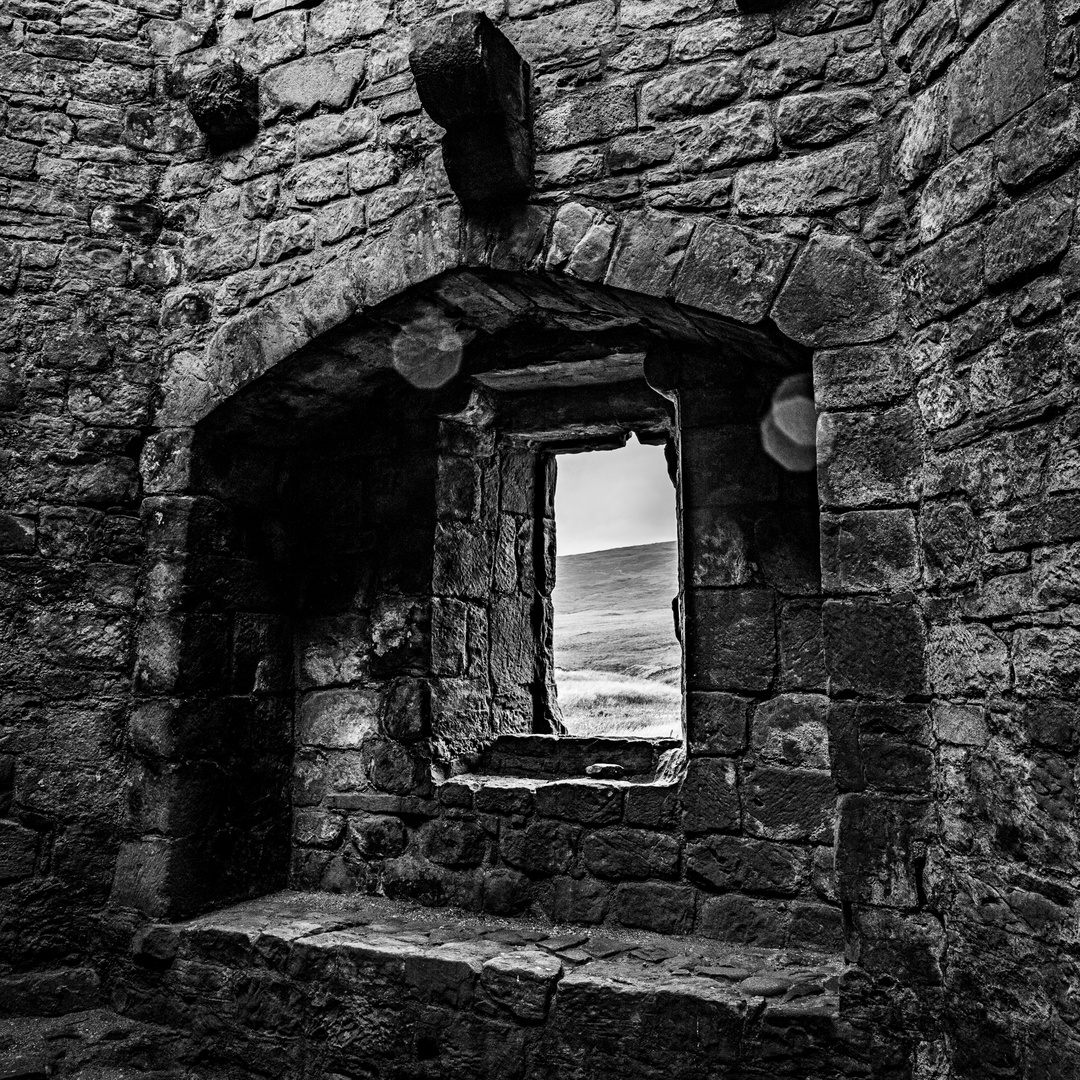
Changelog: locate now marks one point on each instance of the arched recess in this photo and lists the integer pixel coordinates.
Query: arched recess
(311, 636)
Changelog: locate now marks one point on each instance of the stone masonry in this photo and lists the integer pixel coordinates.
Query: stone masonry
(279, 401)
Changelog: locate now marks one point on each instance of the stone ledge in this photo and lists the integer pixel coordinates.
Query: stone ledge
(549, 757)
(366, 983)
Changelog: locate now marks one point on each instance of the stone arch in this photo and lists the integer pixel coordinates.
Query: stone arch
(702, 284)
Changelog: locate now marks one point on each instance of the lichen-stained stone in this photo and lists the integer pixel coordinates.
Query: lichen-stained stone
(522, 983)
(836, 294)
(788, 804)
(337, 22)
(630, 854)
(922, 136)
(324, 134)
(1002, 72)
(223, 101)
(1030, 233)
(587, 117)
(710, 796)
(473, 83)
(733, 271)
(337, 718)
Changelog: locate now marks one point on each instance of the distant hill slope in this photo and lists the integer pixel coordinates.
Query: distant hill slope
(613, 612)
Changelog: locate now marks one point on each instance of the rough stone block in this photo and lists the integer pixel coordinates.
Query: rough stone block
(730, 864)
(869, 457)
(1001, 73)
(473, 83)
(18, 850)
(667, 909)
(652, 806)
(874, 648)
(733, 271)
(788, 804)
(342, 719)
(522, 983)
(541, 847)
(909, 945)
(790, 729)
(819, 119)
(1030, 234)
(631, 854)
(716, 723)
(692, 90)
(869, 551)
(1040, 140)
(946, 276)
(730, 639)
(576, 900)
(811, 184)
(585, 801)
(451, 842)
(836, 294)
(860, 375)
(377, 836)
(743, 919)
(881, 849)
(406, 711)
(967, 659)
(710, 796)
(648, 252)
(956, 193)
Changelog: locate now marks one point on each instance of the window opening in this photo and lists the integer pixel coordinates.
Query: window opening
(618, 662)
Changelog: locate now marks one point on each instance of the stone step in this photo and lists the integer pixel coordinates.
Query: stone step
(302, 985)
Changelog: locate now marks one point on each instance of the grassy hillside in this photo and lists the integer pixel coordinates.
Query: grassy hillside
(618, 661)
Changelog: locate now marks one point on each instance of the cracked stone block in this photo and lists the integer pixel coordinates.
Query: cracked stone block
(472, 82)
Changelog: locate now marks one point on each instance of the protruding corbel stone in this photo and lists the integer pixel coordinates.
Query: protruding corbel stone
(472, 82)
(224, 102)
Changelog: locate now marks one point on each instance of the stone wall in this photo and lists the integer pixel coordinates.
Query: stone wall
(894, 188)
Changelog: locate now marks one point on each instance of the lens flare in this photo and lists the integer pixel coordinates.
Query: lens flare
(789, 431)
(427, 351)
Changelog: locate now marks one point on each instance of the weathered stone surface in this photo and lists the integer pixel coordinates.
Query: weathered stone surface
(730, 864)
(956, 193)
(648, 252)
(1039, 140)
(789, 804)
(873, 647)
(1000, 74)
(692, 90)
(709, 796)
(819, 119)
(790, 729)
(732, 271)
(869, 550)
(810, 184)
(716, 723)
(868, 458)
(544, 847)
(522, 983)
(589, 802)
(836, 295)
(860, 375)
(1029, 234)
(667, 909)
(630, 854)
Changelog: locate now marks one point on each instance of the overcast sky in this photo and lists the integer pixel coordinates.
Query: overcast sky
(613, 498)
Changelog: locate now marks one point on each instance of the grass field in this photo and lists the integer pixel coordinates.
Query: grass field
(617, 659)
